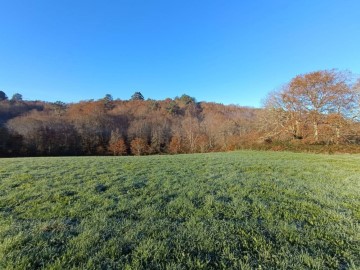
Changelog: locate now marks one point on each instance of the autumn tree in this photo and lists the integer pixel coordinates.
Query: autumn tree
(312, 97)
(185, 99)
(283, 115)
(160, 132)
(213, 119)
(93, 124)
(172, 107)
(138, 146)
(203, 143)
(117, 144)
(43, 134)
(175, 145)
(191, 126)
(139, 128)
(59, 108)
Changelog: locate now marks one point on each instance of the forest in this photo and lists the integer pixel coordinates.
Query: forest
(317, 110)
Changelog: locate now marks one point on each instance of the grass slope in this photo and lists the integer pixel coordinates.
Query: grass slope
(240, 210)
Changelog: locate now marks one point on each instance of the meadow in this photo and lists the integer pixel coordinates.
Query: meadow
(236, 210)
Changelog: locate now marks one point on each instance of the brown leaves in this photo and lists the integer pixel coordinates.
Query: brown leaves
(310, 98)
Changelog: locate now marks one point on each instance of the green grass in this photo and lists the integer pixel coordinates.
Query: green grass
(239, 210)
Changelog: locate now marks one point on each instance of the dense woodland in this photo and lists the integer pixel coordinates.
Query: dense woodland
(317, 109)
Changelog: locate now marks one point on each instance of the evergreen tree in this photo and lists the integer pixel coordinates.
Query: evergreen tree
(3, 96)
(137, 96)
(108, 101)
(17, 97)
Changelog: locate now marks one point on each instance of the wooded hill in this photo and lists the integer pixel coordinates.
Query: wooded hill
(319, 109)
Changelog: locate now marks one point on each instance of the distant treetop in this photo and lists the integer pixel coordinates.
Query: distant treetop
(108, 97)
(186, 99)
(17, 97)
(2, 96)
(137, 96)
(108, 101)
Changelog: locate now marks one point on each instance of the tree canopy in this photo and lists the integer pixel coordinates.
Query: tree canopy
(17, 97)
(137, 96)
(2, 95)
(314, 99)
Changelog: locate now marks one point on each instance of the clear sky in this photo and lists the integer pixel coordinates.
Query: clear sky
(227, 51)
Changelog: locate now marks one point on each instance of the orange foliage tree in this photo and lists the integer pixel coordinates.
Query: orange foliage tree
(175, 145)
(308, 100)
(117, 145)
(139, 146)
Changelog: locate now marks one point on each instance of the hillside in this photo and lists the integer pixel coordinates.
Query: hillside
(320, 108)
(117, 127)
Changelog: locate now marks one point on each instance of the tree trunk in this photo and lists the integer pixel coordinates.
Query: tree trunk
(316, 132)
(337, 130)
(298, 130)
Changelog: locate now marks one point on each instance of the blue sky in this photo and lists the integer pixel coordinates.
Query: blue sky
(232, 52)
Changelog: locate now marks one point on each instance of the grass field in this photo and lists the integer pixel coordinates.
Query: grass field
(239, 210)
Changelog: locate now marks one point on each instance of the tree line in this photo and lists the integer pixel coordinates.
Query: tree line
(317, 108)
